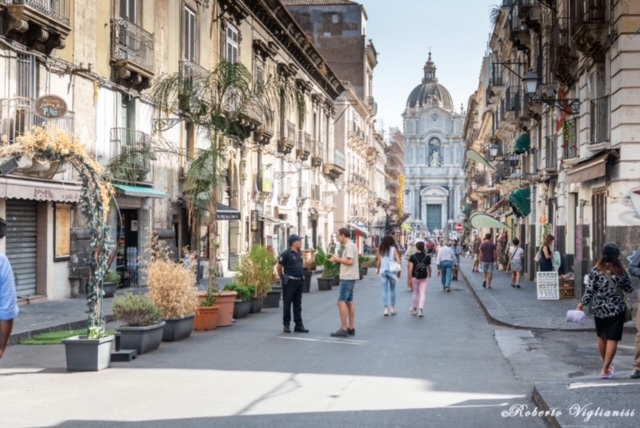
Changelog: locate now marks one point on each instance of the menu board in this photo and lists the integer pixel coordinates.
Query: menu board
(62, 232)
(547, 286)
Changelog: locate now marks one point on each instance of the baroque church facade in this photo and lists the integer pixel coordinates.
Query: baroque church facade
(434, 155)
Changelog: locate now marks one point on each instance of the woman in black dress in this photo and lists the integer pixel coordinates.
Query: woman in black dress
(546, 255)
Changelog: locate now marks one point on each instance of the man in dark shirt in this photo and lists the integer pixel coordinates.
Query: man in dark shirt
(488, 260)
(292, 278)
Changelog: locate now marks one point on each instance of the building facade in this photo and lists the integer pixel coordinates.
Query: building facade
(562, 86)
(434, 152)
(99, 60)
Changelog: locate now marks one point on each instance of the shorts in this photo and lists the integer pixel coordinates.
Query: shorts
(346, 290)
(610, 328)
(487, 267)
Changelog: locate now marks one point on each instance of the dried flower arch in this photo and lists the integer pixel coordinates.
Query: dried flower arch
(55, 145)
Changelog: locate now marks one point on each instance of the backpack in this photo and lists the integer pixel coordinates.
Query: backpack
(420, 270)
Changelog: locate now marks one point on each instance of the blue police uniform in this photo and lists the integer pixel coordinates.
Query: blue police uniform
(292, 285)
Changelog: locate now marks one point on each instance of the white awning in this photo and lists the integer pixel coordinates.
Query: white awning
(360, 229)
(36, 190)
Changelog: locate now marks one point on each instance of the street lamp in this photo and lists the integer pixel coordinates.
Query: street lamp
(532, 81)
(494, 149)
(281, 174)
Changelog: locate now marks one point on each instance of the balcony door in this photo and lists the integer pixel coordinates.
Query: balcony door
(129, 10)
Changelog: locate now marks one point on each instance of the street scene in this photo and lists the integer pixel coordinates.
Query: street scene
(318, 213)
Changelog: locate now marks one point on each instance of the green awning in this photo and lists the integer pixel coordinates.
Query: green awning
(523, 144)
(478, 158)
(520, 202)
(484, 221)
(141, 192)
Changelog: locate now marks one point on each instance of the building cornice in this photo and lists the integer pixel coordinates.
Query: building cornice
(283, 27)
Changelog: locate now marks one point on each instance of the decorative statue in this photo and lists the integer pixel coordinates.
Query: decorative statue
(435, 159)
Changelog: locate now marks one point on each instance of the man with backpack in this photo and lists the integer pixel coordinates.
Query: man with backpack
(419, 272)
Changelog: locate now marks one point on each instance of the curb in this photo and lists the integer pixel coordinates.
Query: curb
(16, 338)
(540, 401)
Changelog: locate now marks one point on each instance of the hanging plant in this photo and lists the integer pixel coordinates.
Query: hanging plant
(53, 144)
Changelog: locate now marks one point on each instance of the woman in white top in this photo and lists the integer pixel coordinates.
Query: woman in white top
(516, 255)
(388, 252)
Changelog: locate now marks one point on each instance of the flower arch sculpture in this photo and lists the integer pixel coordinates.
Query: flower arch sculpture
(55, 145)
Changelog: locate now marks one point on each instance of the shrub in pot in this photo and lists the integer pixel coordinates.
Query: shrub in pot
(172, 287)
(207, 312)
(329, 269)
(142, 322)
(242, 306)
(111, 282)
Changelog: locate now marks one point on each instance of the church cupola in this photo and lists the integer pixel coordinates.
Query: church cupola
(429, 71)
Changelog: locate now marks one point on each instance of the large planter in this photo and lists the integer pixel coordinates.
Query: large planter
(178, 328)
(142, 339)
(109, 288)
(273, 298)
(206, 318)
(306, 286)
(325, 284)
(226, 301)
(256, 305)
(241, 309)
(336, 281)
(84, 354)
(363, 271)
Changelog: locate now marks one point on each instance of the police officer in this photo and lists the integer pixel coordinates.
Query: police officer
(292, 278)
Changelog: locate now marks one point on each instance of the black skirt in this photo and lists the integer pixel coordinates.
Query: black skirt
(610, 328)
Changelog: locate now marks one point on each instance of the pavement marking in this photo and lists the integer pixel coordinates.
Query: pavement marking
(471, 406)
(604, 383)
(344, 341)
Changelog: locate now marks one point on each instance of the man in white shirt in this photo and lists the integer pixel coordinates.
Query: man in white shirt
(445, 261)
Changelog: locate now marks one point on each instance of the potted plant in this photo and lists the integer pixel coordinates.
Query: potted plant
(243, 302)
(142, 322)
(256, 270)
(207, 313)
(111, 282)
(329, 269)
(363, 262)
(172, 287)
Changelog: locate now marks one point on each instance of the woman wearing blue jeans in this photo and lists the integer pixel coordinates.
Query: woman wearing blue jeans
(388, 252)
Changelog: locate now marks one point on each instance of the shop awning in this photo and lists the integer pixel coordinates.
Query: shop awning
(497, 206)
(359, 229)
(523, 144)
(35, 190)
(520, 202)
(141, 192)
(269, 219)
(478, 158)
(589, 169)
(225, 212)
(484, 221)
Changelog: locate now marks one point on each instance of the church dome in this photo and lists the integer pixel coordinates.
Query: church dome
(430, 91)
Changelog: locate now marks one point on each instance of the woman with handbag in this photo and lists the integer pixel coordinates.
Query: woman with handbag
(608, 281)
(389, 268)
(515, 263)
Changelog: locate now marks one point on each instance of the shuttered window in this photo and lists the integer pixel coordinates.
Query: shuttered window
(21, 244)
(232, 44)
(189, 35)
(129, 10)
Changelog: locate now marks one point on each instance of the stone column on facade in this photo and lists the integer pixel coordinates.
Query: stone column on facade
(416, 205)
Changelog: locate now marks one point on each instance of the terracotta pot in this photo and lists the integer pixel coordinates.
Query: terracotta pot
(226, 301)
(206, 318)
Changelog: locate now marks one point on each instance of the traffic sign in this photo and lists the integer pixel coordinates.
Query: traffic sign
(459, 227)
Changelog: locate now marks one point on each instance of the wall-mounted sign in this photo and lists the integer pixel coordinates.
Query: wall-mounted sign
(50, 107)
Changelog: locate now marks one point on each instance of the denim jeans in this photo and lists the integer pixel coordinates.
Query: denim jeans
(447, 273)
(388, 283)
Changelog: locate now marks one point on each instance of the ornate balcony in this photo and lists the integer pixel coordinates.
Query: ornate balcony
(564, 63)
(304, 146)
(519, 34)
(335, 166)
(132, 53)
(42, 25)
(131, 155)
(287, 140)
(530, 14)
(590, 28)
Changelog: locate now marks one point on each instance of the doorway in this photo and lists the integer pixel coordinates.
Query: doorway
(128, 245)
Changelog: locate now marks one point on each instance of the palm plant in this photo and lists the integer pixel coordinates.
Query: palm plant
(225, 105)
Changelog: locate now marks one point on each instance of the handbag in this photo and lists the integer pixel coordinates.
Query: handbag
(394, 266)
(628, 310)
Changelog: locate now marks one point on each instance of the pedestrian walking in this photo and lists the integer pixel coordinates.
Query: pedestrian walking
(476, 254)
(349, 272)
(516, 255)
(546, 255)
(488, 259)
(457, 250)
(634, 269)
(608, 281)
(418, 276)
(291, 276)
(387, 254)
(8, 296)
(502, 250)
(445, 260)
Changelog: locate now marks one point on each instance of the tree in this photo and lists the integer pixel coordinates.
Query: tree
(225, 105)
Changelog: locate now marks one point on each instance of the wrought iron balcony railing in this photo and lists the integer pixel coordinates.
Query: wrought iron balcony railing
(58, 10)
(131, 155)
(132, 43)
(18, 116)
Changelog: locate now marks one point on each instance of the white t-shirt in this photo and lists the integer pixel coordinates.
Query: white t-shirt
(519, 252)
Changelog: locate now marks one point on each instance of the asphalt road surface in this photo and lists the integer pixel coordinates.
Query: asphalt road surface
(444, 370)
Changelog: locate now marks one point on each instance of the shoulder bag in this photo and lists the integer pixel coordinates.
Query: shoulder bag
(628, 310)
(394, 266)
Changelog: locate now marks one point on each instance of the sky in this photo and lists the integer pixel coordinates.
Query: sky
(402, 32)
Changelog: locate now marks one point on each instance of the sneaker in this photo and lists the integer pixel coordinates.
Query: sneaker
(351, 331)
(393, 310)
(448, 290)
(386, 312)
(484, 284)
(341, 333)
(421, 313)
(635, 374)
(413, 311)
